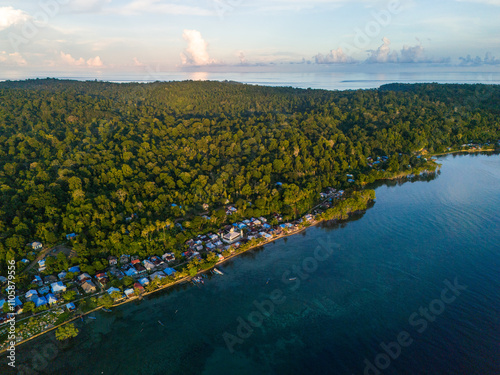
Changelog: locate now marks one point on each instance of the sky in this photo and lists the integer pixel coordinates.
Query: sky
(38, 37)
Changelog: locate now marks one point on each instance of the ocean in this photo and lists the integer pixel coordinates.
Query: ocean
(411, 286)
(344, 77)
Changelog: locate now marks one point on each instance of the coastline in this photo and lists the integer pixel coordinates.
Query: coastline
(177, 282)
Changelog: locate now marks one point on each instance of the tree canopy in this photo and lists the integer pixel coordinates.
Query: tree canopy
(120, 164)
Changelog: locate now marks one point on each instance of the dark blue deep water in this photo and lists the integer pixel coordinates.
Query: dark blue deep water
(355, 288)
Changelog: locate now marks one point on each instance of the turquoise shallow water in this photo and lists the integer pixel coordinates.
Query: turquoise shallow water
(341, 292)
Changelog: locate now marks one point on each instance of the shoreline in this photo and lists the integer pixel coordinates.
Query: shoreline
(462, 151)
(177, 282)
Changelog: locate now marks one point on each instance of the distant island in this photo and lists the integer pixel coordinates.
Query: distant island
(111, 191)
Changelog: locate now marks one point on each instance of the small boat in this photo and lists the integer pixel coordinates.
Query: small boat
(106, 310)
(161, 323)
(92, 317)
(267, 282)
(217, 271)
(292, 278)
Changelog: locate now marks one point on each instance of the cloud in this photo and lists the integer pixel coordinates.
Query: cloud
(196, 52)
(408, 54)
(70, 60)
(383, 54)
(95, 62)
(86, 6)
(12, 59)
(159, 7)
(137, 62)
(242, 57)
(336, 56)
(489, 59)
(412, 54)
(488, 2)
(10, 16)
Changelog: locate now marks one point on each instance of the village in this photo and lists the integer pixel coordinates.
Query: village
(69, 294)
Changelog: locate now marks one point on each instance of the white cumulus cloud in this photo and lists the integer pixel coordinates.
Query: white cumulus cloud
(336, 56)
(12, 59)
(10, 16)
(196, 52)
(95, 62)
(383, 53)
(67, 59)
(488, 59)
(412, 54)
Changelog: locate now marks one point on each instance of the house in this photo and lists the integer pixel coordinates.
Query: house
(74, 269)
(232, 236)
(148, 264)
(70, 306)
(43, 290)
(61, 275)
(40, 301)
(102, 278)
(169, 271)
(112, 260)
(49, 279)
(156, 260)
(3, 279)
(134, 257)
(116, 273)
(83, 277)
(144, 281)
(124, 259)
(138, 286)
(265, 235)
(113, 289)
(51, 299)
(30, 294)
(130, 271)
(37, 280)
(36, 245)
(210, 246)
(89, 287)
(71, 236)
(41, 265)
(168, 257)
(58, 287)
(157, 274)
(129, 293)
(263, 219)
(140, 268)
(308, 217)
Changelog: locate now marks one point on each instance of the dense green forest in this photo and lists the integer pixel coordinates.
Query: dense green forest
(121, 164)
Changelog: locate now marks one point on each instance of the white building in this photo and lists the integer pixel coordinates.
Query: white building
(232, 236)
